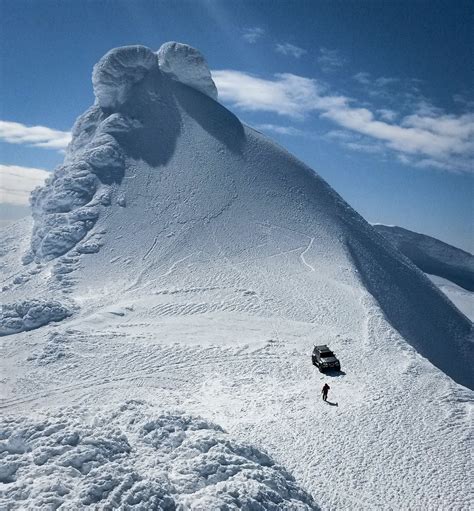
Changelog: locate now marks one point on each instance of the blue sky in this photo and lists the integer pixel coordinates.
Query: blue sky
(376, 96)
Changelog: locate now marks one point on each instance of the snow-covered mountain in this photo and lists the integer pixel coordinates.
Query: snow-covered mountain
(182, 258)
(450, 268)
(432, 255)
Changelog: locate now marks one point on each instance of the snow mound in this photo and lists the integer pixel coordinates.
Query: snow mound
(117, 71)
(30, 314)
(432, 255)
(132, 459)
(187, 65)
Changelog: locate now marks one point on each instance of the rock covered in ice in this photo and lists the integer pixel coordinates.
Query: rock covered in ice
(132, 458)
(67, 207)
(30, 314)
(117, 71)
(186, 65)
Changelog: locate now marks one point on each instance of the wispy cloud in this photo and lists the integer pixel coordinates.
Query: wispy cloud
(426, 136)
(290, 50)
(330, 60)
(252, 34)
(281, 130)
(37, 136)
(17, 182)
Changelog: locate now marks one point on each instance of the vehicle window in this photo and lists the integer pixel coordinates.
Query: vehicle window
(326, 354)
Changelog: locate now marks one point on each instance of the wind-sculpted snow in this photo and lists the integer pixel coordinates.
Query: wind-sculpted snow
(132, 97)
(187, 65)
(117, 71)
(132, 458)
(30, 314)
(432, 256)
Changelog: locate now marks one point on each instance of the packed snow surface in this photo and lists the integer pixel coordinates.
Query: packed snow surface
(202, 262)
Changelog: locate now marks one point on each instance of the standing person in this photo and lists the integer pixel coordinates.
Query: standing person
(325, 391)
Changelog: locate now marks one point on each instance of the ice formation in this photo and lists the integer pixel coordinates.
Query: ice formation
(67, 207)
(134, 459)
(116, 72)
(187, 65)
(30, 314)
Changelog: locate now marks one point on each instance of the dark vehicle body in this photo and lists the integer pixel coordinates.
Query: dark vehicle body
(324, 359)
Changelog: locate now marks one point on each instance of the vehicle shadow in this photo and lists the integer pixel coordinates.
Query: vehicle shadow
(334, 373)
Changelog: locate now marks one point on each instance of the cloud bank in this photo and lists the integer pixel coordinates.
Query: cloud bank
(37, 136)
(428, 137)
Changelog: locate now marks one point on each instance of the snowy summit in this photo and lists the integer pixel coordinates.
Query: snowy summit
(177, 272)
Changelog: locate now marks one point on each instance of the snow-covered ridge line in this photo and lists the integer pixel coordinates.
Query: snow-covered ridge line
(67, 207)
(432, 255)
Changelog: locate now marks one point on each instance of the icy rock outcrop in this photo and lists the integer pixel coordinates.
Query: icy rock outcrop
(67, 207)
(30, 314)
(187, 65)
(133, 459)
(117, 71)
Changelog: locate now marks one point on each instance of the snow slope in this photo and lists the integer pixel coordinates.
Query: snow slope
(450, 268)
(463, 299)
(200, 266)
(432, 255)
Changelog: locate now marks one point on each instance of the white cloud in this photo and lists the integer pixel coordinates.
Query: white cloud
(363, 78)
(253, 34)
(282, 130)
(290, 50)
(386, 114)
(428, 136)
(288, 94)
(38, 136)
(330, 60)
(16, 183)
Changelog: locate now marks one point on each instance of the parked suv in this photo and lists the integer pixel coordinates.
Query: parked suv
(323, 358)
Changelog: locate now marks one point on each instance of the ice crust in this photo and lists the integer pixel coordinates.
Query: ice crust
(131, 458)
(30, 314)
(125, 81)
